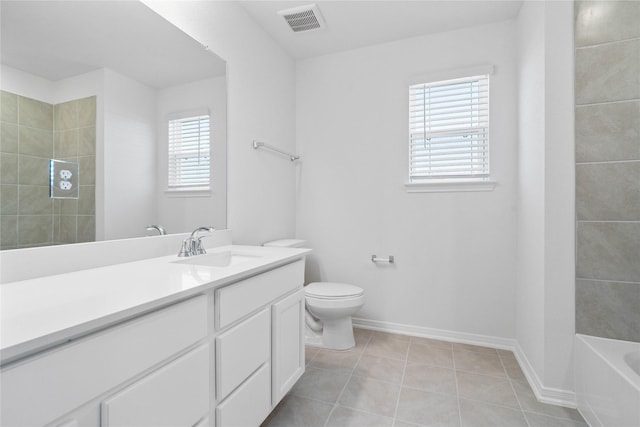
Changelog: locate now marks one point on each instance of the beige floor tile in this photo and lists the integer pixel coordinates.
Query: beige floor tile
(431, 341)
(429, 409)
(530, 403)
(478, 414)
(346, 417)
(538, 420)
(388, 335)
(430, 378)
(320, 384)
(369, 395)
(294, 411)
(387, 346)
(380, 368)
(310, 353)
(430, 355)
(337, 361)
(486, 389)
(469, 347)
(478, 362)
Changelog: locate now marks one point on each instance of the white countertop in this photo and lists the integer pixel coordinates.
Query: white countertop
(38, 313)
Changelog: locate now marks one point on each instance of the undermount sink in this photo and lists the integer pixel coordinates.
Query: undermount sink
(219, 259)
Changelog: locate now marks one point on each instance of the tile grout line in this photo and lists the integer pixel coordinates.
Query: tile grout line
(404, 371)
(346, 384)
(513, 390)
(455, 375)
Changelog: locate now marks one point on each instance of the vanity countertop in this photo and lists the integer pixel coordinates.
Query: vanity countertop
(39, 313)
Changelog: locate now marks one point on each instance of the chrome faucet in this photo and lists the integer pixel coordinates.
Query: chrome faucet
(160, 230)
(192, 246)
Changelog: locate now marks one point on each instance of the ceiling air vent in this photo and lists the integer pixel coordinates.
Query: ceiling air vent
(303, 18)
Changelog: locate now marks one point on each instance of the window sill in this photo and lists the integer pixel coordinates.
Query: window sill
(449, 186)
(188, 193)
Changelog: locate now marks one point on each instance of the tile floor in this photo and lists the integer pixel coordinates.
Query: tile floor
(399, 381)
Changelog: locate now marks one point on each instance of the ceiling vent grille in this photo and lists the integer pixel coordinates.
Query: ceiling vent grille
(303, 18)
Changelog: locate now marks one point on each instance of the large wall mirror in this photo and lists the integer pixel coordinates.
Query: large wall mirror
(90, 88)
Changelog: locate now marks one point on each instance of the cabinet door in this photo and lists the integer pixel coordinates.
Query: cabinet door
(175, 395)
(287, 347)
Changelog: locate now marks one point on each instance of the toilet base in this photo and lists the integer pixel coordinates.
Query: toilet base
(335, 335)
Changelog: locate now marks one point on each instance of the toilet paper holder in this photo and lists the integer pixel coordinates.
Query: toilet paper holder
(389, 259)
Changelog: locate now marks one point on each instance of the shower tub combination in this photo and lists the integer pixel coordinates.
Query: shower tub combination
(607, 375)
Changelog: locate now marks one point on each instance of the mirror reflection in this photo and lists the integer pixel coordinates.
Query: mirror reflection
(82, 83)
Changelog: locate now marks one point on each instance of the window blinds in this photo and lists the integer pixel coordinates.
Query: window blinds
(449, 129)
(189, 153)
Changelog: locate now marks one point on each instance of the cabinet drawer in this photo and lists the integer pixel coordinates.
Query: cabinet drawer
(241, 298)
(241, 350)
(250, 404)
(62, 379)
(175, 395)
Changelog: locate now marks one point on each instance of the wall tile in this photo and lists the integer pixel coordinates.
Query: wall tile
(86, 228)
(8, 232)
(8, 137)
(36, 142)
(606, 21)
(8, 168)
(608, 131)
(68, 229)
(34, 229)
(87, 141)
(66, 143)
(609, 72)
(608, 309)
(86, 111)
(34, 170)
(8, 107)
(66, 207)
(608, 191)
(8, 199)
(34, 200)
(34, 113)
(66, 115)
(87, 170)
(87, 200)
(608, 251)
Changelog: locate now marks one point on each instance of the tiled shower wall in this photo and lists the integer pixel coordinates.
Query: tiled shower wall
(31, 133)
(607, 95)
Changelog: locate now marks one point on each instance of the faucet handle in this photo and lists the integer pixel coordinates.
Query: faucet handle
(187, 247)
(200, 250)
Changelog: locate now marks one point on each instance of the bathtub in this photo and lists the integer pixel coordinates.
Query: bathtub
(607, 380)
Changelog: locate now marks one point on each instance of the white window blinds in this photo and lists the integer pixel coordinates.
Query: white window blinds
(189, 153)
(449, 129)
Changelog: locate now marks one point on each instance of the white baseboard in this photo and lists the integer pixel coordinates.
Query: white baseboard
(549, 395)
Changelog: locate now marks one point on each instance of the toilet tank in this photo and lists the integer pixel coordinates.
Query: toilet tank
(286, 243)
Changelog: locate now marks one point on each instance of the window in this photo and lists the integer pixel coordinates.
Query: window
(449, 130)
(189, 153)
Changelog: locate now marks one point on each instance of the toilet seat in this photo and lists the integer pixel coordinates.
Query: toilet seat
(332, 290)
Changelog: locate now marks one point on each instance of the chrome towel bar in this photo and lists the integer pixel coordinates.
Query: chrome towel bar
(390, 260)
(258, 144)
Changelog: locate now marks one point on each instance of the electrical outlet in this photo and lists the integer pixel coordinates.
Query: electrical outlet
(65, 185)
(65, 174)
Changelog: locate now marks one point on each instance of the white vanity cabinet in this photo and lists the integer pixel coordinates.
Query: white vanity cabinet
(222, 358)
(287, 344)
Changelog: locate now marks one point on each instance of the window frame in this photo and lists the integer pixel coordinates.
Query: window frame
(444, 183)
(188, 190)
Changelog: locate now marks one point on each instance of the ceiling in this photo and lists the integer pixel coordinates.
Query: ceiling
(357, 23)
(61, 39)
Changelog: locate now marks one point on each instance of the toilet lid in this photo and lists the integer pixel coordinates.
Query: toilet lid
(330, 290)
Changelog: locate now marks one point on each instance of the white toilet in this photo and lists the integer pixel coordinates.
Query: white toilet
(329, 307)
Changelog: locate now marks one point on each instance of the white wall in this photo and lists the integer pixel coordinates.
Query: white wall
(546, 263)
(129, 152)
(261, 105)
(455, 252)
(182, 213)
